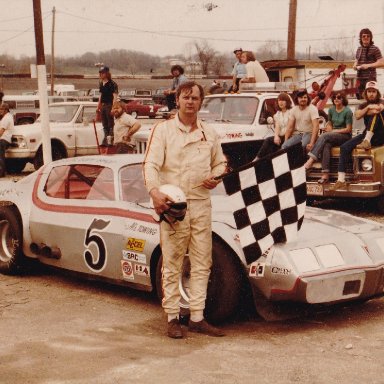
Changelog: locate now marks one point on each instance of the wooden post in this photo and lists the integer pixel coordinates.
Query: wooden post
(291, 46)
(42, 82)
(53, 52)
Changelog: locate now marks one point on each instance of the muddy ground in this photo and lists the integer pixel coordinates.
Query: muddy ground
(56, 328)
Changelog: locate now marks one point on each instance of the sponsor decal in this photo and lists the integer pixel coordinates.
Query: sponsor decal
(135, 244)
(136, 227)
(126, 268)
(141, 270)
(281, 271)
(133, 256)
(234, 135)
(257, 269)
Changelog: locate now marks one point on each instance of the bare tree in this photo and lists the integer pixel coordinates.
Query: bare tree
(205, 54)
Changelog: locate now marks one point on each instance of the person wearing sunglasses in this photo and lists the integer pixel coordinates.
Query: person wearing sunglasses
(368, 58)
(372, 111)
(338, 130)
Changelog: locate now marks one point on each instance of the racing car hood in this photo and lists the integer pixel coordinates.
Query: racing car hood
(317, 224)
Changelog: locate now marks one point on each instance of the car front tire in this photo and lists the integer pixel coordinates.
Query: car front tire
(224, 287)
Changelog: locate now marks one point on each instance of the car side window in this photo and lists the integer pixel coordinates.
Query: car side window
(87, 114)
(268, 110)
(80, 181)
(132, 184)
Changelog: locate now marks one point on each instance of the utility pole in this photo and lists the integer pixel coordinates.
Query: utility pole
(291, 46)
(53, 52)
(42, 82)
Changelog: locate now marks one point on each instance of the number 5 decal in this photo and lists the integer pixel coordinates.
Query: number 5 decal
(98, 262)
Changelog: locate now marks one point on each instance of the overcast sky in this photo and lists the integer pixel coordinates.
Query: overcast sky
(167, 27)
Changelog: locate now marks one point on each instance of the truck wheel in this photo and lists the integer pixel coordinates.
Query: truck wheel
(11, 242)
(15, 165)
(224, 287)
(57, 154)
(380, 204)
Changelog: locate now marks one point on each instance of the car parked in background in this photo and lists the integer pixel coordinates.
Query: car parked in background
(94, 94)
(72, 134)
(142, 107)
(158, 95)
(127, 94)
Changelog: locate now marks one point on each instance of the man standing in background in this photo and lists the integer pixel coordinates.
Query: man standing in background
(108, 95)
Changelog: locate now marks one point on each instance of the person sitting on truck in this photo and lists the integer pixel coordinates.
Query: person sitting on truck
(338, 130)
(238, 71)
(6, 126)
(280, 118)
(125, 126)
(372, 112)
(255, 71)
(179, 78)
(303, 123)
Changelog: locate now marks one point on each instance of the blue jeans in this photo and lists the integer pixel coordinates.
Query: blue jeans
(304, 138)
(107, 120)
(323, 147)
(346, 150)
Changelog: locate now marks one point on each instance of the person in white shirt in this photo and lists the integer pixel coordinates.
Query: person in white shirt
(6, 126)
(124, 127)
(255, 71)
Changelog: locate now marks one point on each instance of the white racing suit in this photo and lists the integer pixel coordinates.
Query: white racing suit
(182, 158)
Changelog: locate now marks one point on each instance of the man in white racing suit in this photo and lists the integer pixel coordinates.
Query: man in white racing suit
(187, 153)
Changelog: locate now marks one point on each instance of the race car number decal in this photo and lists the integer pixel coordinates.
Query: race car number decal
(98, 262)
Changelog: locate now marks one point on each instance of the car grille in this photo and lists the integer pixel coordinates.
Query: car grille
(141, 146)
(334, 168)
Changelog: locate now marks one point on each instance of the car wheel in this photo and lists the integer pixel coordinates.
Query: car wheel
(11, 255)
(15, 165)
(57, 154)
(224, 287)
(134, 114)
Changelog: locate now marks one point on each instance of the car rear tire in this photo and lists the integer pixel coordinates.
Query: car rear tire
(134, 114)
(11, 256)
(224, 286)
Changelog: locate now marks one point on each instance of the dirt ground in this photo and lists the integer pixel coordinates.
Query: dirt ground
(59, 329)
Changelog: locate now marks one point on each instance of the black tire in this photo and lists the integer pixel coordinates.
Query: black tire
(224, 287)
(380, 204)
(12, 259)
(15, 165)
(57, 154)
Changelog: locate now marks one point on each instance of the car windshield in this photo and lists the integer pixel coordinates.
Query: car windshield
(238, 110)
(132, 184)
(62, 113)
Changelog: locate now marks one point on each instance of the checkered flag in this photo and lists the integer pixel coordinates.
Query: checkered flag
(268, 200)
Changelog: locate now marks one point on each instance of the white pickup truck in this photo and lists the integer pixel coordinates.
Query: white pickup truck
(240, 119)
(72, 134)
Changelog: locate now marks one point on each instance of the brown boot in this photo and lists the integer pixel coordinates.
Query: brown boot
(205, 328)
(174, 329)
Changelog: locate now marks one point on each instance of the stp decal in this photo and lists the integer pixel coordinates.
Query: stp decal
(135, 244)
(126, 268)
(98, 260)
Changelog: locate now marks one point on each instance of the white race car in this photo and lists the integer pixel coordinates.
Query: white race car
(92, 215)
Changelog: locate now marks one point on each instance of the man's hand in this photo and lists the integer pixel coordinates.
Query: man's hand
(309, 147)
(277, 140)
(160, 201)
(210, 182)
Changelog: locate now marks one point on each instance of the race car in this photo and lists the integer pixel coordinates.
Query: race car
(92, 215)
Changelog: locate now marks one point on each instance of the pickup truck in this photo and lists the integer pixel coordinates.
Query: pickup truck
(72, 134)
(240, 119)
(364, 176)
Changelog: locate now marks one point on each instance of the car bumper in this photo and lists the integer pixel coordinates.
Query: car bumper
(16, 153)
(365, 189)
(331, 288)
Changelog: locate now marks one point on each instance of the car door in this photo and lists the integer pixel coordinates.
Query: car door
(78, 223)
(86, 142)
